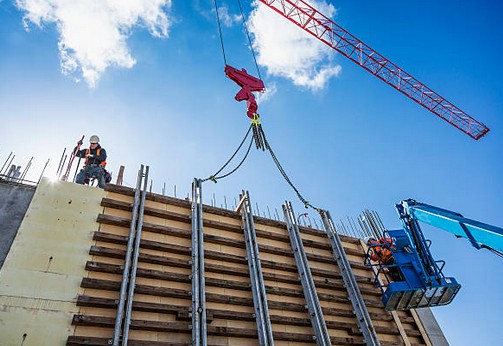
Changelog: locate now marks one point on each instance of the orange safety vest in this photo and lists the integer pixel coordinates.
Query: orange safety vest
(382, 254)
(102, 163)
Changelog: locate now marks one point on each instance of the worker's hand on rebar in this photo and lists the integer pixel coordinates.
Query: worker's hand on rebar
(80, 142)
(90, 156)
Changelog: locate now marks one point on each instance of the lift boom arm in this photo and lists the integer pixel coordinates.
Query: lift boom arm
(481, 235)
(311, 20)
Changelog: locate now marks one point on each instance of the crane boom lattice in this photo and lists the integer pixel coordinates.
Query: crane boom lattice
(311, 20)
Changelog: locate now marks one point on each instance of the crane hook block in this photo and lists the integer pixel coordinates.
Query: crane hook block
(248, 85)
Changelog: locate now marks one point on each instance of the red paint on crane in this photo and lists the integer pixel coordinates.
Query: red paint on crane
(248, 85)
(311, 20)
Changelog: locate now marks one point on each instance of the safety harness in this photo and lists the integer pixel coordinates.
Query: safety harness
(98, 151)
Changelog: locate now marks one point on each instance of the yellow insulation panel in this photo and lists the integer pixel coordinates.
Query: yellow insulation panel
(40, 279)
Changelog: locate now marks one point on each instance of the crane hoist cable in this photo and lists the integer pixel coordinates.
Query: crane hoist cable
(250, 45)
(249, 84)
(249, 39)
(220, 32)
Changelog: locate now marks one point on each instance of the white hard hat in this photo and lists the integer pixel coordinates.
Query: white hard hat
(367, 239)
(94, 139)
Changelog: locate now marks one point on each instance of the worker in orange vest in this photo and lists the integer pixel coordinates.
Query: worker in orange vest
(94, 164)
(380, 252)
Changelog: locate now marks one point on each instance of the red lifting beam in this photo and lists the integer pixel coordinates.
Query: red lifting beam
(248, 85)
(323, 28)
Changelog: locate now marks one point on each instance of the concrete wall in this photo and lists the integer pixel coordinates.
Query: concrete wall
(431, 326)
(41, 276)
(14, 200)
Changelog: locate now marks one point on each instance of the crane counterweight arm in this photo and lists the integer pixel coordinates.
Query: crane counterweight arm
(311, 20)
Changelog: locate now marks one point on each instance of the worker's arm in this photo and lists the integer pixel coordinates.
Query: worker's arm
(80, 153)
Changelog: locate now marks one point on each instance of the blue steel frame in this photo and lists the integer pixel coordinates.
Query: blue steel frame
(422, 283)
(481, 235)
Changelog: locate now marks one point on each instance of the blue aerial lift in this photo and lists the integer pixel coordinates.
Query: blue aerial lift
(418, 281)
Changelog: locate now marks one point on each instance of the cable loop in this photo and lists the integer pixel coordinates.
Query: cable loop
(261, 143)
(215, 177)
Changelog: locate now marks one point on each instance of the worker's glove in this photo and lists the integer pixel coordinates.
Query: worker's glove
(80, 142)
(90, 156)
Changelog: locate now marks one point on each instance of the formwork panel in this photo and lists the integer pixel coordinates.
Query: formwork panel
(162, 299)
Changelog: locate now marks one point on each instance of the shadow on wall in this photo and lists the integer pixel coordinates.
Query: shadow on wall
(14, 201)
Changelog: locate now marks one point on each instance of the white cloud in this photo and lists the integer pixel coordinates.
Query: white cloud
(93, 33)
(269, 92)
(290, 52)
(226, 18)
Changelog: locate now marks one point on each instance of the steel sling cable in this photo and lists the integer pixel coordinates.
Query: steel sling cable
(214, 176)
(239, 165)
(283, 173)
(261, 132)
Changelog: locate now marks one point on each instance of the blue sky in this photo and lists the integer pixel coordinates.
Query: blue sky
(348, 143)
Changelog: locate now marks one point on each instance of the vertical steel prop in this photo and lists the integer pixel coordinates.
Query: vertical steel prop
(306, 278)
(264, 327)
(199, 333)
(355, 296)
(127, 261)
(136, 253)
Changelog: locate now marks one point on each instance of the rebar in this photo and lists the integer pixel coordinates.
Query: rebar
(76, 170)
(1, 170)
(9, 164)
(43, 170)
(25, 171)
(60, 165)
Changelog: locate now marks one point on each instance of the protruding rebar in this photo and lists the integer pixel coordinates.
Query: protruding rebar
(60, 165)
(5, 163)
(9, 164)
(43, 170)
(25, 171)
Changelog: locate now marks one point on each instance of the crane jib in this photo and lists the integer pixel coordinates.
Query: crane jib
(320, 26)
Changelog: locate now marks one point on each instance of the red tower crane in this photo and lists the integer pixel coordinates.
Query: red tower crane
(311, 20)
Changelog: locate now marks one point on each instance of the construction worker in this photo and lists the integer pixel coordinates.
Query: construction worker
(379, 251)
(94, 164)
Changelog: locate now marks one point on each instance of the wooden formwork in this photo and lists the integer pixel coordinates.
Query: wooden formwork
(162, 301)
